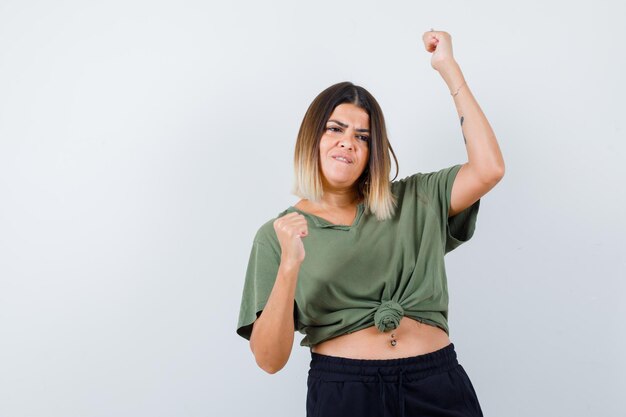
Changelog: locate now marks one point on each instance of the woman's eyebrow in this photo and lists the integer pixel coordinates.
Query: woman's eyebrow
(345, 125)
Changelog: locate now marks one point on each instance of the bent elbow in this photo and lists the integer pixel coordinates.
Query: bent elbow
(270, 368)
(494, 176)
(267, 362)
(500, 171)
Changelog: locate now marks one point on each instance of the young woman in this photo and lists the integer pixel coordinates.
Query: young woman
(357, 265)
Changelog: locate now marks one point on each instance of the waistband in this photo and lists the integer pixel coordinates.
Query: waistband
(334, 368)
(337, 369)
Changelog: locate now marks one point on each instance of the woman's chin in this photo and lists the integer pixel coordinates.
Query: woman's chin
(340, 181)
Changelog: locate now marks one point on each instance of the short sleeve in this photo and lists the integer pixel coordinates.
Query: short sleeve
(259, 282)
(460, 227)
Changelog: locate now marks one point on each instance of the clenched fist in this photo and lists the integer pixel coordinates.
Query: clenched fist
(440, 44)
(290, 229)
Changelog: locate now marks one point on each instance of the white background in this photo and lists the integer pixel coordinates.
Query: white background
(142, 143)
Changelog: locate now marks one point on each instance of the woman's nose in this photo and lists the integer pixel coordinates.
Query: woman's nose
(347, 139)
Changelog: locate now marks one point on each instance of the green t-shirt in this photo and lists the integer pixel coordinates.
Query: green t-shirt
(370, 273)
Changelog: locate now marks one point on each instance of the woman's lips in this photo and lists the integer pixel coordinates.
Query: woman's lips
(341, 159)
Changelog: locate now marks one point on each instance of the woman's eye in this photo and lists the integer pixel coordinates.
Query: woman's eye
(336, 129)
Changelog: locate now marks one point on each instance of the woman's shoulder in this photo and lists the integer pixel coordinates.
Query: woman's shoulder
(415, 177)
(405, 184)
(266, 233)
(422, 177)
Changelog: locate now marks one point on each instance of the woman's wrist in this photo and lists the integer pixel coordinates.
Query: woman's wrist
(452, 75)
(289, 265)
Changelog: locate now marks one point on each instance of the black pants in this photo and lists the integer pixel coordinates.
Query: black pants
(429, 385)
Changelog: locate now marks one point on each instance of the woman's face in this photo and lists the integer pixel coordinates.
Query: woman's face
(346, 134)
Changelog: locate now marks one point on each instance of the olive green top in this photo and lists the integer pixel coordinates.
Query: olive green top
(370, 273)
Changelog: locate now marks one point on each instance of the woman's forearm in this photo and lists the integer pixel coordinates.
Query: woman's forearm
(483, 152)
(273, 332)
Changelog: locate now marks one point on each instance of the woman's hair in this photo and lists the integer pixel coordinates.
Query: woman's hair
(373, 185)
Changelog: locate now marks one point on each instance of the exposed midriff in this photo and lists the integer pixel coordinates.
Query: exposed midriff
(412, 338)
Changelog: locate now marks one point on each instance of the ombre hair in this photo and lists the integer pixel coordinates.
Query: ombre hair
(373, 186)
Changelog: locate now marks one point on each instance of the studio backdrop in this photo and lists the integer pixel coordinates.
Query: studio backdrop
(143, 143)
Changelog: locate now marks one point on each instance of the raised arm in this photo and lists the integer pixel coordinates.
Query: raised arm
(485, 166)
